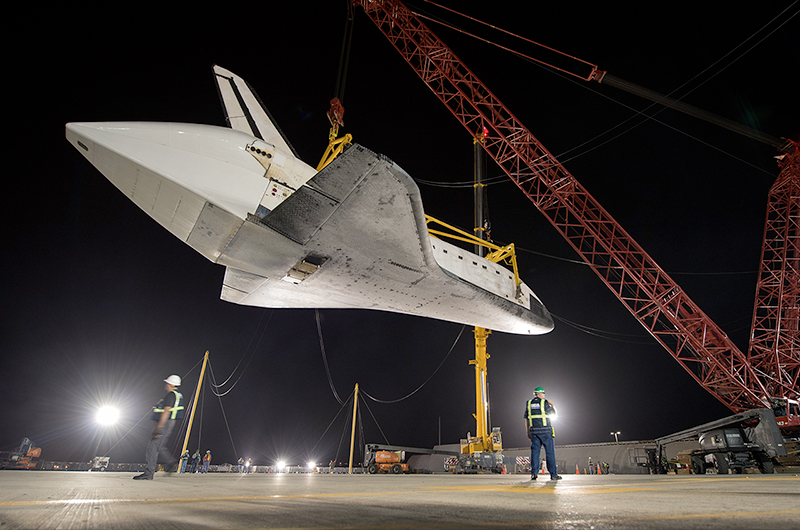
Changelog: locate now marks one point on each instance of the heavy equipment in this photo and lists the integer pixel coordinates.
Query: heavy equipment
(750, 439)
(380, 458)
(383, 461)
(26, 456)
(477, 457)
(767, 375)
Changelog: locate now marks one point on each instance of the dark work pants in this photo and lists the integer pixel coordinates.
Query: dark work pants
(157, 450)
(543, 437)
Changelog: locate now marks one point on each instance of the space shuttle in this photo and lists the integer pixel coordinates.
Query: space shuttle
(352, 235)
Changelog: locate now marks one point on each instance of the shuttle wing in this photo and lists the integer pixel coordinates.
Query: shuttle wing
(355, 236)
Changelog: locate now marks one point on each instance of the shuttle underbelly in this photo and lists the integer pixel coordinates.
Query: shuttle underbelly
(360, 226)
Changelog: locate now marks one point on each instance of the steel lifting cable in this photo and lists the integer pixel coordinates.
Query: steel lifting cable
(603, 334)
(344, 428)
(129, 431)
(623, 85)
(344, 56)
(260, 338)
(362, 445)
(200, 428)
(345, 404)
(667, 101)
(224, 417)
(329, 425)
(325, 357)
(374, 419)
(589, 77)
(426, 381)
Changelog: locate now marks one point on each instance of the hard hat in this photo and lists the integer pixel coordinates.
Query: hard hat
(173, 380)
(538, 390)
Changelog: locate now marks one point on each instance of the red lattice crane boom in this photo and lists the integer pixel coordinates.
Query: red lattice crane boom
(775, 335)
(739, 381)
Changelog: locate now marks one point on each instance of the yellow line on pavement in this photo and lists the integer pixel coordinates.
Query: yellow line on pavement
(201, 499)
(531, 487)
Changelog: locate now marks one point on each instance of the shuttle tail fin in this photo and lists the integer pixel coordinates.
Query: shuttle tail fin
(245, 112)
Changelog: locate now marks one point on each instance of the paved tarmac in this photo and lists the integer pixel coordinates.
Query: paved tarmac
(69, 500)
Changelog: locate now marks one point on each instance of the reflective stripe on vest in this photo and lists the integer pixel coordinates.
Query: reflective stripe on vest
(542, 414)
(173, 412)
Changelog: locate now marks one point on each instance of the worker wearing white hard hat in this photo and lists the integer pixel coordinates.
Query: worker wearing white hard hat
(166, 411)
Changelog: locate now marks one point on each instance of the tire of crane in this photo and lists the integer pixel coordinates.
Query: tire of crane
(721, 464)
(698, 466)
(397, 469)
(765, 463)
(372, 469)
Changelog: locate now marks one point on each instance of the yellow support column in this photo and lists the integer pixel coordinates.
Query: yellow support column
(481, 392)
(353, 433)
(194, 404)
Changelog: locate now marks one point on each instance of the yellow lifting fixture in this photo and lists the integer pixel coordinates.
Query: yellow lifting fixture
(336, 113)
(335, 145)
(506, 254)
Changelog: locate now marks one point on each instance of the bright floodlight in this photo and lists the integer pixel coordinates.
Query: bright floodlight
(281, 465)
(107, 415)
(311, 465)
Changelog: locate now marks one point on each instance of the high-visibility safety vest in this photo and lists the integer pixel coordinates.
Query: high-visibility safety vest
(536, 411)
(175, 413)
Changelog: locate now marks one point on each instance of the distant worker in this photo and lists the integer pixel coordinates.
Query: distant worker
(206, 461)
(538, 421)
(167, 410)
(195, 461)
(241, 465)
(184, 460)
(247, 465)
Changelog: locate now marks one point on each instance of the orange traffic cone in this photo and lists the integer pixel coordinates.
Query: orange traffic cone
(599, 472)
(577, 471)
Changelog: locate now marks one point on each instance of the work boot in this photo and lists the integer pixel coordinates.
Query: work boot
(556, 477)
(143, 476)
(533, 476)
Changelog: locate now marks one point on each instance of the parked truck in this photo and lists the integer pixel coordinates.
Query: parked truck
(750, 439)
(99, 463)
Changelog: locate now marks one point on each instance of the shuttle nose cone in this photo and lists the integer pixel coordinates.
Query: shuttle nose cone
(154, 161)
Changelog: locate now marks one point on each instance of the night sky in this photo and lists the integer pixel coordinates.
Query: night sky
(100, 304)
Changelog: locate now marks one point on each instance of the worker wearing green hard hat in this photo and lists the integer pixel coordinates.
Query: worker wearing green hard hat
(539, 414)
